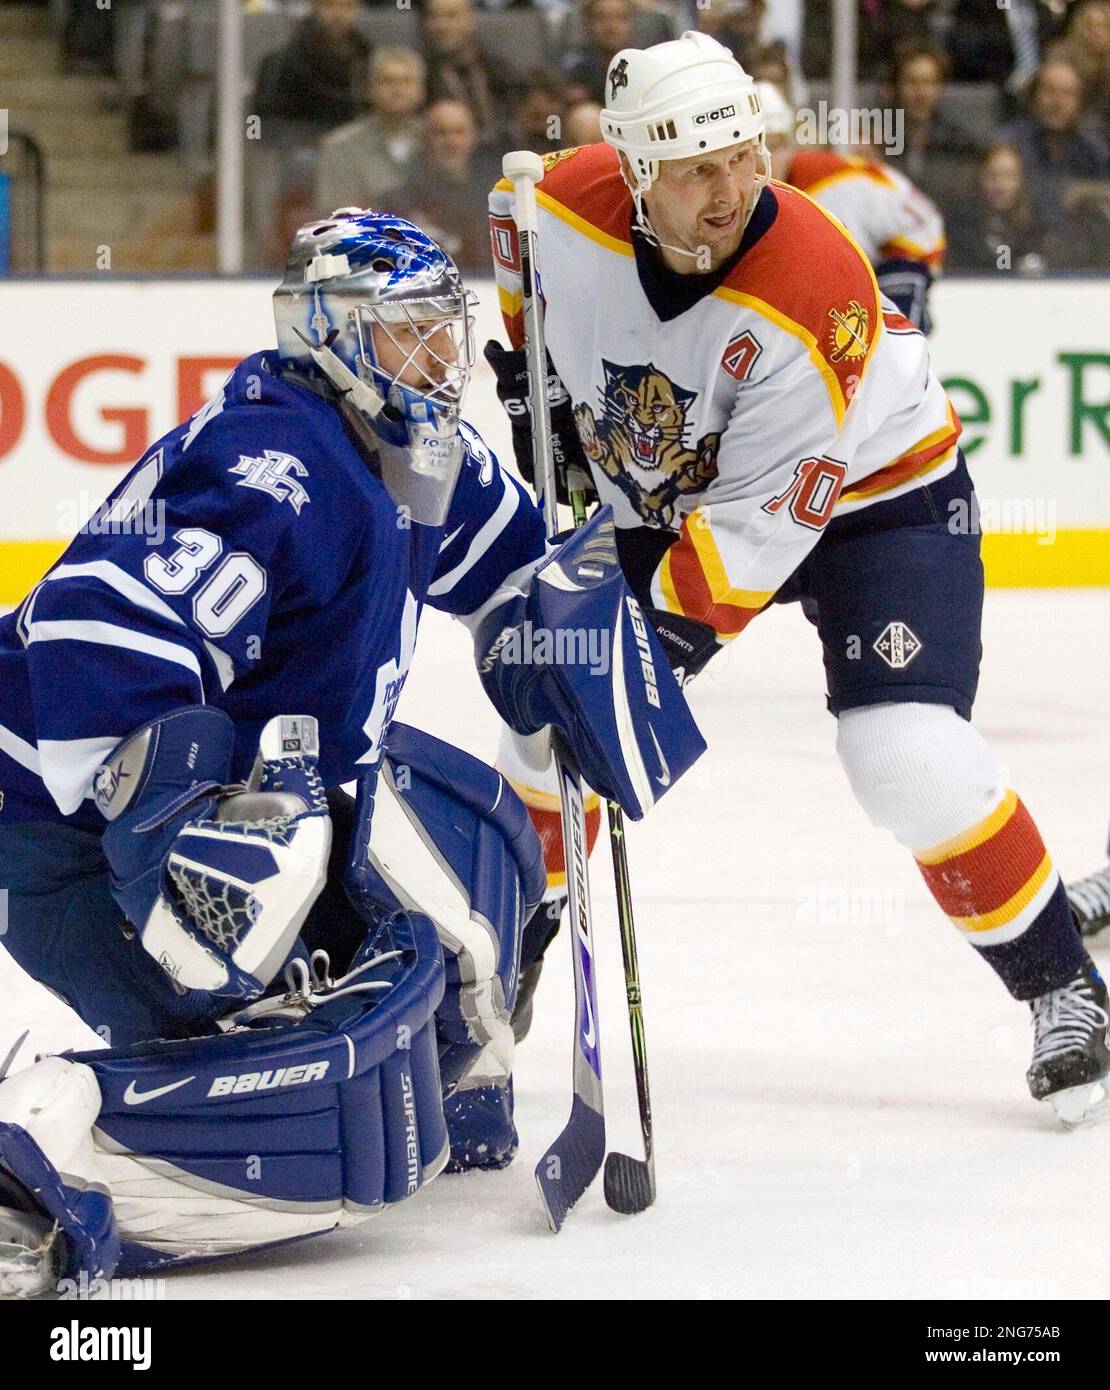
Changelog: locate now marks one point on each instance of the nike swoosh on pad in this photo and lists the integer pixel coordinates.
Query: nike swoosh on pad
(665, 779)
(133, 1097)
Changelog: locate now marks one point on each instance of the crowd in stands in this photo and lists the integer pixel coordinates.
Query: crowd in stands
(1018, 164)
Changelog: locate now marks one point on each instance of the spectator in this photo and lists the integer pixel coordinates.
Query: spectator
(882, 26)
(319, 76)
(447, 189)
(1053, 150)
(582, 125)
(608, 26)
(459, 69)
(537, 121)
(896, 24)
(1086, 46)
(771, 63)
(738, 24)
(998, 227)
(938, 155)
(370, 156)
(1002, 43)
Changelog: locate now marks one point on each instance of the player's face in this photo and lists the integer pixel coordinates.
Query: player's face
(700, 203)
(421, 358)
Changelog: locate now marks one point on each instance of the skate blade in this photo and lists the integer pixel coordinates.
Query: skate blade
(1081, 1105)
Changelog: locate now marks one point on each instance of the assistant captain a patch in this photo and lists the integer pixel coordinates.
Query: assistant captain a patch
(897, 645)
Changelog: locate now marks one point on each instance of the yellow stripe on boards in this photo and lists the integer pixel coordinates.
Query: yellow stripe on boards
(23, 564)
(1074, 559)
(1071, 559)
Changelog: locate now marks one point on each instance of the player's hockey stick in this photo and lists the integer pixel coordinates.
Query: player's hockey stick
(629, 1181)
(575, 1158)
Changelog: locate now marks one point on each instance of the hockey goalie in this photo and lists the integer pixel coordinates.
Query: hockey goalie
(308, 993)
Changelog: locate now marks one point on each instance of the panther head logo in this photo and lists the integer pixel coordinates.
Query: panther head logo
(648, 415)
(618, 78)
(639, 441)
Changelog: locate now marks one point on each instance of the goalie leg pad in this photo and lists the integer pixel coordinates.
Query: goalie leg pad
(274, 1132)
(442, 833)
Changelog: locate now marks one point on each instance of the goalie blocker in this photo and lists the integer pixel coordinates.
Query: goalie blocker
(576, 651)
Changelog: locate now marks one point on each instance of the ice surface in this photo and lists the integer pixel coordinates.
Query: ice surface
(838, 1083)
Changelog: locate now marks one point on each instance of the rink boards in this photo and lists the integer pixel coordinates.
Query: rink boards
(92, 371)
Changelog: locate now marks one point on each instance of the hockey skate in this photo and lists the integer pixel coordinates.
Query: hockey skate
(1090, 902)
(1070, 1056)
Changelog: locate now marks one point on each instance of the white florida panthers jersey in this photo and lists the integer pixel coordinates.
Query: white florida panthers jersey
(741, 413)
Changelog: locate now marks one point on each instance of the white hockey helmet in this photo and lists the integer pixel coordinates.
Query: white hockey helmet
(778, 114)
(678, 99)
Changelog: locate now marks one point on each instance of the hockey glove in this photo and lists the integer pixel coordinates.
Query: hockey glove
(511, 369)
(687, 644)
(907, 284)
(216, 879)
(576, 652)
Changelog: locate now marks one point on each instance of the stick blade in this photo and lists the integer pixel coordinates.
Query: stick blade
(629, 1184)
(571, 1163)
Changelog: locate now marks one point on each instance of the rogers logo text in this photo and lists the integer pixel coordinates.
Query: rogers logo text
(268, 1080)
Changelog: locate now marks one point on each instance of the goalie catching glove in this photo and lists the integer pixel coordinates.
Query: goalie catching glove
(216, 879)
(576, 652)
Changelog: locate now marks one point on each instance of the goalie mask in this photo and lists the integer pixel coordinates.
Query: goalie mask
(371, 306)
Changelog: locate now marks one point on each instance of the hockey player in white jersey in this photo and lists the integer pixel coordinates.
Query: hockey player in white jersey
(767, 428)
(899, 229)
(174, 842)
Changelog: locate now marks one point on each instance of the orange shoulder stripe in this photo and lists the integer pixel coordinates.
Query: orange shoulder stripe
(584, 188)
(809, 276)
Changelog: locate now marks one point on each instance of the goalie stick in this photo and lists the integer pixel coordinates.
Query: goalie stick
(573, 1161)
(575, 1158)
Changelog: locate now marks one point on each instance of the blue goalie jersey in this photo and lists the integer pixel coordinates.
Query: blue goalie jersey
(253, 561)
